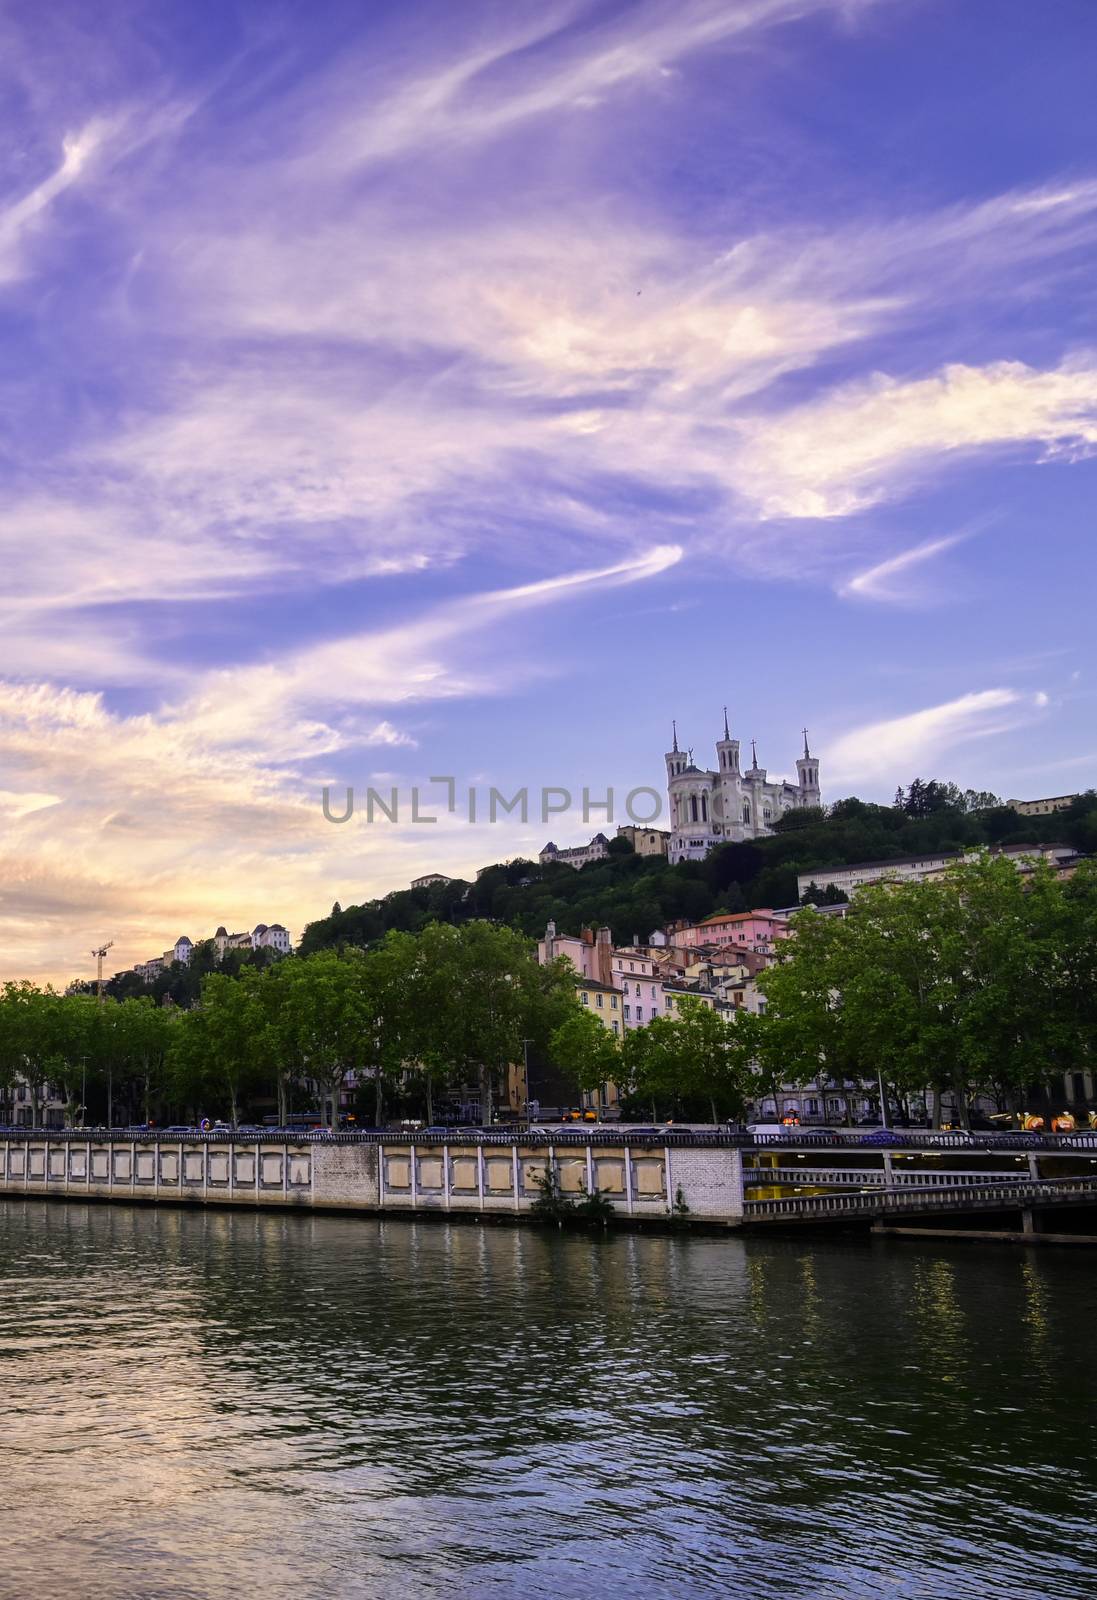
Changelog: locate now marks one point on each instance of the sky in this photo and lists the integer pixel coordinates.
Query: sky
(422, 390)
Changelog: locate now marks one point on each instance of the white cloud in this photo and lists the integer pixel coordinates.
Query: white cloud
(853, 446)
(21, 805)
(145, 824)
(76, 151)
(889, 580)
(916, 741)
(531, 69)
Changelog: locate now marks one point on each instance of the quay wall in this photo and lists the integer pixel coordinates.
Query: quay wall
(643, 1181)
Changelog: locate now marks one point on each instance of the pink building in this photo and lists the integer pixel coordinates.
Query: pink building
(590, 954)
(747, 930)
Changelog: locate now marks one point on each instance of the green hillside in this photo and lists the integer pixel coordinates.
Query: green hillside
(634, 894)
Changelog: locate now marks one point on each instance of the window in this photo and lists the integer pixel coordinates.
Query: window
(639, 1013)
(585, 998)
(653, 997)
(704, 808)
(600, 1002)
(616, 1027)
(627, 1013)
(613, 1002)
(693, 808)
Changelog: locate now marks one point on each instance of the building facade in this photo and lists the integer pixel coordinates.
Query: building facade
(727, 804)
(646, 841)
(1043, 808)
(576, 855)
(914, 869)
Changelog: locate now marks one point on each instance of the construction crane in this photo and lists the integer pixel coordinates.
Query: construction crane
(99, 954)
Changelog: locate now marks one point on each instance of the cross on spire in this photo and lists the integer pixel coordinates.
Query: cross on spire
(753, 754)
(674, 747)
(807, 752)
(727, 732)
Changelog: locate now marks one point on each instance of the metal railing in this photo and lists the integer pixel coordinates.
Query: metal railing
(982, 1197)
(598, 1135)
(864, 1177)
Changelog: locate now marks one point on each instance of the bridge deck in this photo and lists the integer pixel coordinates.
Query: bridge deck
(1001, 1195)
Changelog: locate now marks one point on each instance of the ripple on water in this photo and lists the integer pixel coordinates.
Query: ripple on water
(213, 1404)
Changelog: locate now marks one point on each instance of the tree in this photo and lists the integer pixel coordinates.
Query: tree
(587, 1051)
(979, 979)
(700, 1056)
(326, 1021)
(217, 1046)
(489, 997)
(31, 1036)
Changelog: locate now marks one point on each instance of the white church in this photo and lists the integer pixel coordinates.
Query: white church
(729, 805)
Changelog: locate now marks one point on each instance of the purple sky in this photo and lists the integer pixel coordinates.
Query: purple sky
(398, 390)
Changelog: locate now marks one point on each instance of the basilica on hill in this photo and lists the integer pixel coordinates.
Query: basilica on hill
(714, 807)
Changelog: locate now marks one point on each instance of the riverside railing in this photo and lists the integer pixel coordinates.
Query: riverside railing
(985, 1197)
(599, 1134)
(865, 1177)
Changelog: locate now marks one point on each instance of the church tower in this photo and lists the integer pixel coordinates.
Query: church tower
(807, 770)
(728, 801)
(675, 760)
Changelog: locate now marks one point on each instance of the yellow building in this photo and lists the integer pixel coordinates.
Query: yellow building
(646, 841)
(602, 999)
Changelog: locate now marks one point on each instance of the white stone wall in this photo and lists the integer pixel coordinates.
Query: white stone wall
(640, 1180)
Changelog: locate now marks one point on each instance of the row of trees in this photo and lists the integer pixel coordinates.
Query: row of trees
(111, 1053)
(447, 1006)
(982, 980)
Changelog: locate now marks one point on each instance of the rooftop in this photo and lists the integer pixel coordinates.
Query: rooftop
(944, 855)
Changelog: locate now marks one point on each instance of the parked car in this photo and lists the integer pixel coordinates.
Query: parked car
(884, 1139)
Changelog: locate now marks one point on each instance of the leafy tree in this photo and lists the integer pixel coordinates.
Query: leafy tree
(587, 1051)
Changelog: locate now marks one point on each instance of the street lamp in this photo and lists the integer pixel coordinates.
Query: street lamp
(525, 1077)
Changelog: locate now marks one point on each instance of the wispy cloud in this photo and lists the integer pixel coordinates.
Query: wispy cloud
(915, 742)
(123, 817)
(76, 151)
(890, 580)
(413, 313)
(857, 445)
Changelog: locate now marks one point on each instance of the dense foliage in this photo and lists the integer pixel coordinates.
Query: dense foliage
(984, 979)
(413, 1014)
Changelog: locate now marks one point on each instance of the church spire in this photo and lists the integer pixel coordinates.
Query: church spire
(753, 756)
(727, 731)
(807, 752)
(674, 747)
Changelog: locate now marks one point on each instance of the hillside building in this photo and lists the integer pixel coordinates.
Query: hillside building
(727, 804)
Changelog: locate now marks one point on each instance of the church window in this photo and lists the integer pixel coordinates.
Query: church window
(746, 811)
(704, 808)
(693, 807)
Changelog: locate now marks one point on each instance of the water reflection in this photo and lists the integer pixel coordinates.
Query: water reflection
(202, 1404)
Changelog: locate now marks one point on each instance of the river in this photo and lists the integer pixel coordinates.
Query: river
(214, 1404)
